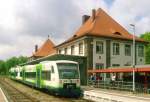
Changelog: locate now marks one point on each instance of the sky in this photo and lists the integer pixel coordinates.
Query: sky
(25, 23)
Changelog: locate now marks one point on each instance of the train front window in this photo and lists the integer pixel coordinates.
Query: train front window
(68, 71)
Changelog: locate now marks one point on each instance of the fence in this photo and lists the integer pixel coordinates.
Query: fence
(119, 85)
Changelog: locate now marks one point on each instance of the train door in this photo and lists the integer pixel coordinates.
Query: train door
(23, 74)
(38, 75)
(52, 73)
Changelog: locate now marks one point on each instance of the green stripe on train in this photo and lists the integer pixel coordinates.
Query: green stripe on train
(23, 73)
(38, 75)
(42, 81)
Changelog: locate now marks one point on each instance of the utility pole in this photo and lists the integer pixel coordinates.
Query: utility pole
(133, 51)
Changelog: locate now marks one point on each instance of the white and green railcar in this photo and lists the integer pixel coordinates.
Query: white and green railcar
(13, 73)
(60, 76)
(18, 70)
(28, 74)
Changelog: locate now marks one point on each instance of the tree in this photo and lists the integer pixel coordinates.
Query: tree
(146, 37)
(12, 62)
(22, 59)
(2, 67)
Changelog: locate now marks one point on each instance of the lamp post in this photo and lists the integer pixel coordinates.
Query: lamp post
(133, 51)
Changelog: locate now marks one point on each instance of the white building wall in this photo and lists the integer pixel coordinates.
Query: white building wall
(69, 50)
(99, 58)
(62, 51)
(140, 61)
(76, 48)
(121, 59)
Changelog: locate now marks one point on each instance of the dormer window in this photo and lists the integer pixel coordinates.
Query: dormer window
(75, 36)
(117, 33)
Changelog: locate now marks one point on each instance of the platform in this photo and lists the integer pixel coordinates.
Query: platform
(100, 95)
(2, 96)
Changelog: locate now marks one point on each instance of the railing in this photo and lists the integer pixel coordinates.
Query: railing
(119, 85)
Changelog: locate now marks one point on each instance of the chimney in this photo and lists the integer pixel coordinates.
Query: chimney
(93, 14)
(85, 18)
(36, 48)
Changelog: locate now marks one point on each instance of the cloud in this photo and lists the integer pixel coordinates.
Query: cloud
(47, 17)
(136, 12)
(24, 23)
(34, 21)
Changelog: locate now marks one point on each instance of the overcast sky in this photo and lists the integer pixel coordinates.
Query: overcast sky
(24, 23)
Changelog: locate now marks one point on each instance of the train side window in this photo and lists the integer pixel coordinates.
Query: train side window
(46, 75)
(52, 69)
(31, 75)
(49, 75)
(21, 74)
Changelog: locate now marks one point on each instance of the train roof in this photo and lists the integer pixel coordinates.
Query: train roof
(29, 65)
(59, 61)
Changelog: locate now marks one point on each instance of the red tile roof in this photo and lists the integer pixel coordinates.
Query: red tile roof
(46, 49)
(102, 26)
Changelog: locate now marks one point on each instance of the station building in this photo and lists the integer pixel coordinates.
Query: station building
(98, 45)
(46, 49)
(104, 42)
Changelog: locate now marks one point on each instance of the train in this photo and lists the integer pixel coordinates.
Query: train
(59, 77)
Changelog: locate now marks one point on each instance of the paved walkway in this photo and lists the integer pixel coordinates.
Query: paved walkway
(121, 96)
(2, 96)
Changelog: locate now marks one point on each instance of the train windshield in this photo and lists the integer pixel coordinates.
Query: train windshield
(68, 70)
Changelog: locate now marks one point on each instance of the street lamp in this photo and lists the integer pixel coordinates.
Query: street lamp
(133, 27)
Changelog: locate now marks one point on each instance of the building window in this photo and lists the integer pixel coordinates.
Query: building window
(72, 50)
(99, 65)
(128, 64)
(99, 47)
(115, 65)
(59, 51)
(107, 75)
(116, 49)
(80, 48)
(65, 51)
(140, 50)
(127, 50)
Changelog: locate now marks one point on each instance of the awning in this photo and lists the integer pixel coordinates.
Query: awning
(119, 70)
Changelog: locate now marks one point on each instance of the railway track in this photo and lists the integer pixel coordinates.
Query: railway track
(13, 94)
(30, 94)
